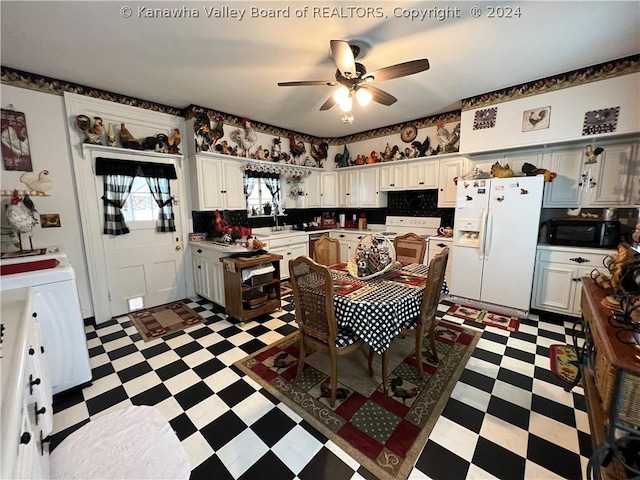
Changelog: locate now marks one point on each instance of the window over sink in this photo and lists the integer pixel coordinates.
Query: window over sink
(263, 193)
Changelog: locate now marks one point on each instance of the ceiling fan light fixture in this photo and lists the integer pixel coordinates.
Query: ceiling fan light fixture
(347, 117)
(347, 104)
(341, 94)
(363, 96)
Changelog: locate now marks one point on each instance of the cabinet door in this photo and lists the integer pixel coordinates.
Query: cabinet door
(233, 180)
(392, 177)
(201, 280)
(329, 189)
(423, 175)
(312, 190)
(612, 174)
(566, 188)
(210, 184)
(348, 194)
(284, 263)
(217, 283)
(449, 169)
(298, 250)
(344, 245)
(369, 188)
(555, 286)
(516, 162)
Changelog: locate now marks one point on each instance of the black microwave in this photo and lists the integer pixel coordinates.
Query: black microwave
(583, 232)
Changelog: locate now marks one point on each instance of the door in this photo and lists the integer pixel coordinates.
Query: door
(144, 268)
(511, 239)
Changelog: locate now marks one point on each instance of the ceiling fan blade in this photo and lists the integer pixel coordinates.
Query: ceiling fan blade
(304, 83)
(380, 96)
(328, 104)
(399, 70)
(343, 56)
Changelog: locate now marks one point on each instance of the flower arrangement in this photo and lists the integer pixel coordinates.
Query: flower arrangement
(295, 191)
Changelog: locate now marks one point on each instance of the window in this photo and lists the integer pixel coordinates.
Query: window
(140, 205)
(262, 193)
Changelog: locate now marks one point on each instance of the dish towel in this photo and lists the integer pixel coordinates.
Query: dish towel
(133, 443)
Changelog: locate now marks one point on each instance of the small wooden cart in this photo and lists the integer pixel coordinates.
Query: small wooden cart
(242, 298)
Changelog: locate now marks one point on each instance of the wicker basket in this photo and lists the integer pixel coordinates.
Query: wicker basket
(374, 256)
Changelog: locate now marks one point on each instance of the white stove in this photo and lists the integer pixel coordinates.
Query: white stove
(422, 226)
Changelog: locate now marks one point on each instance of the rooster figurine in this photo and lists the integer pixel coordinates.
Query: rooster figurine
(92, 133)
(39, 183)
(219, 223)
(592, 154)
(246, 139)
(174, 142)
(342, 159)
(21, 218)
(446, 139)
(297, 148)
(319, 153)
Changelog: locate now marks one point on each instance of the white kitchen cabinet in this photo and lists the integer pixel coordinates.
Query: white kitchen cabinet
(290, 247)
(605, 182)
(216, 183)
(329, 189)
(348, 243)
(422, 174)
(348, 188)
(321, 190)
(434, 246)
(313, 190)
(557, 284)
(360, 187)
(202, 275)
(208, 278)
(393, 177)
(450, 168)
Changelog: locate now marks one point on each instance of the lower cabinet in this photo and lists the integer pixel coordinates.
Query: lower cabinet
(435, 246)
(557, 284)
(290, 247)
(208, 278)
(348, 243)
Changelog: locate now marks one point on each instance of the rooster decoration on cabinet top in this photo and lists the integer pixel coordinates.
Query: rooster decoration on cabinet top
(245, 139)
(21, 216)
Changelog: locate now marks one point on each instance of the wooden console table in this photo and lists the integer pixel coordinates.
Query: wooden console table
(611, 381)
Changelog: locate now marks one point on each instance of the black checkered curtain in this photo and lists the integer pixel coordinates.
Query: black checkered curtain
(161, 191)
(116, 191)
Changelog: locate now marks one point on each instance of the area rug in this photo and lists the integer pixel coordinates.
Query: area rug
(384, 433)
(285, 289)
(484, 317)
(159, 321)
(564, 363)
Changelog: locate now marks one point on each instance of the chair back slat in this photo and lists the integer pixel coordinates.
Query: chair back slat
(410, 248)
(312, 285)
(433, 288)
(327, 251)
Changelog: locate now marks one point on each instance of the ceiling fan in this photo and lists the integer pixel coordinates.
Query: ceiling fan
(354, 79)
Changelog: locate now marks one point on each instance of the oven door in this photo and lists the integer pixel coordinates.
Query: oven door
(313, 238)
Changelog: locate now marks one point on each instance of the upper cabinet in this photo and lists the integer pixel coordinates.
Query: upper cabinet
(423, 174)
(607, 179)
(450, 169)
(514, 160)
(216, 183)
(321, 190)
(393, 177)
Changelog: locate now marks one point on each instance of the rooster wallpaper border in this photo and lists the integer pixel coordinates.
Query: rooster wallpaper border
(610, 69)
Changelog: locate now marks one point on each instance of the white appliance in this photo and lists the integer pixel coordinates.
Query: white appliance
(57, 305)
(494, 240)
(424, 227)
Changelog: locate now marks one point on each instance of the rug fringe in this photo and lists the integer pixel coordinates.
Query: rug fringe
(508, 311)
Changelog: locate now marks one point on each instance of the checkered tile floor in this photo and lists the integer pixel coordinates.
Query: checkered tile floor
(508, 416)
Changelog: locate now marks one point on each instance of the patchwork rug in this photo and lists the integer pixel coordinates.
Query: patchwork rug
(564, 362)
(159, 321)
(384, 433)
(484, 317)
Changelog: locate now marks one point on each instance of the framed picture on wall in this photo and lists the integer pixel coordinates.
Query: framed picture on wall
(16, 153)
(485, 118)
(536, 119)
(600, 121)
(49, 220)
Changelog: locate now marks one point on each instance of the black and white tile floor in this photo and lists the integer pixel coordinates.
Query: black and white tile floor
(508, 416)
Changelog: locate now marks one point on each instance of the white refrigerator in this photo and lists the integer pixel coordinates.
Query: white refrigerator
(495, 238)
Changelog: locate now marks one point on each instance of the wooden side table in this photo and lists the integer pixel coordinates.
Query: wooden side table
(612, 389)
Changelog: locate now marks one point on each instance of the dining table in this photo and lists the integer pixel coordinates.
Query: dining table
(376, 309)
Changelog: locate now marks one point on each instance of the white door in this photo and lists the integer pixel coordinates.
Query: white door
(144, 266)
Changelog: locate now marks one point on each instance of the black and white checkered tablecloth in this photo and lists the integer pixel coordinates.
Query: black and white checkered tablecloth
(376, 314)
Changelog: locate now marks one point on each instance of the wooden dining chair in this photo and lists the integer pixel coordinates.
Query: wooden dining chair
(410, 248)
(327, 251)
(425, 322)
(315, 314)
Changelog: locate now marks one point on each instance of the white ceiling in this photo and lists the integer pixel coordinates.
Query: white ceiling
(233, 65)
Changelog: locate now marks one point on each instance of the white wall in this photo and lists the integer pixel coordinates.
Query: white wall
(568, 107)
(47, 129)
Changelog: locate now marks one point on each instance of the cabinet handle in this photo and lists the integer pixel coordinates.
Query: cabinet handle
(441, 245)
(580, 260)
(32, 382)
(25, 438)
(341, 236)
(420, 183)
(44, 440)
(41, 349)
(576, 279)
(31, 351)
(199, 250)
(34, 314)
(199, 266)
(442, 189)
(40, 411)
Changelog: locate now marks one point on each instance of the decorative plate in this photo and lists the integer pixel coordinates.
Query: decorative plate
(408, 133)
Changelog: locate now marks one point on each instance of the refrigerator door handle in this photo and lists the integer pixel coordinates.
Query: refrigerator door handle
(483, 229)
(488, 234)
